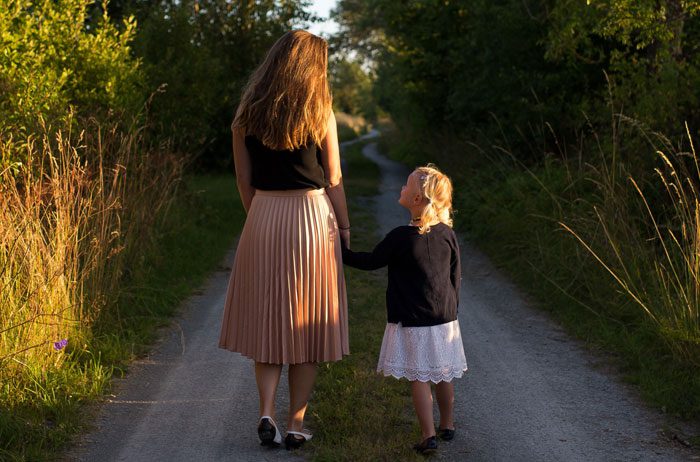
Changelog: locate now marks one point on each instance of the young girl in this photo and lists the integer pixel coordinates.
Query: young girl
(422, 340)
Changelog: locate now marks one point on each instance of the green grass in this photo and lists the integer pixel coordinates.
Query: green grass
(39, 416)
(357, 414)
(42, 420)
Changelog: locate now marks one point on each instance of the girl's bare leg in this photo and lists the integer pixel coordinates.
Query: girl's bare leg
(423, 403)
(445, 394)
(301, 382)
(267, 377)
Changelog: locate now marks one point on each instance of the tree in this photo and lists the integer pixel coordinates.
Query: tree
(446, 65)
(52, 64)
(647, 47)
(203, 51)
(352, 87)
(457, 66)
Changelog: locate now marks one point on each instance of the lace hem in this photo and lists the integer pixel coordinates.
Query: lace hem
(435, 376)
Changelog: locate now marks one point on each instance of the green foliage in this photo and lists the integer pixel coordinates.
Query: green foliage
(200, 53)
(648, 48)
(650, 26)
(54, 63)
(451, 66)
(352, 88)
(471, 68)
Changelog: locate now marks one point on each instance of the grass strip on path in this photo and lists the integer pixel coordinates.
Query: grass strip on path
(357, 414)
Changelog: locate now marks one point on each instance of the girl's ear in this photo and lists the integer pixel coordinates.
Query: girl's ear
(417, 199)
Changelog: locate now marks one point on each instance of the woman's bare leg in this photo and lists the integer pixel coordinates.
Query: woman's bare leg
(423, 403)
(301, 382)
(445, 394)
(267, 377)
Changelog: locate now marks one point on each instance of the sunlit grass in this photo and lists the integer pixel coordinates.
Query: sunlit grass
(72, 224)
(75, 217)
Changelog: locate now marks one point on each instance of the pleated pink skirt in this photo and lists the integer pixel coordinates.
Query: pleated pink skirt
(286, 301)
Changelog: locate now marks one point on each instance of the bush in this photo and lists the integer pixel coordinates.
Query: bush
(56, 63)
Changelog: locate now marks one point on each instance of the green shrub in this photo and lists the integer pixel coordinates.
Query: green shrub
(55, 63)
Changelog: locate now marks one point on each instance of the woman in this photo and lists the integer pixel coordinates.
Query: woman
(286, 300)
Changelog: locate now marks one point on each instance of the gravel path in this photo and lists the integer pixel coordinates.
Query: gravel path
(531, 394)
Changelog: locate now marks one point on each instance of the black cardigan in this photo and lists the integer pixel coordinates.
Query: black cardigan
(424, 274)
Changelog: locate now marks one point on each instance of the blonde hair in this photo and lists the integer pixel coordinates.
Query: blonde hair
(287, 101)
(436, 187)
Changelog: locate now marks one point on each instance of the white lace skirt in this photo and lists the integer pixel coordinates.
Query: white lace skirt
(432, 353)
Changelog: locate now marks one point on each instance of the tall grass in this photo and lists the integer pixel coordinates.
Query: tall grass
(651, 246)
(75, 219)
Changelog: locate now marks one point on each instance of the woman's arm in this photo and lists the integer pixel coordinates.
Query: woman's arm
(241, 160)
(331, 166)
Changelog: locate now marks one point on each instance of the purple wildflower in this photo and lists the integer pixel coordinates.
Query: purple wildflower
(60, 345)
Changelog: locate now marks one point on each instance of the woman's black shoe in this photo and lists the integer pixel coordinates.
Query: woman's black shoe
(268, 433)
(427, 446)
(446, 434)
(295, 440)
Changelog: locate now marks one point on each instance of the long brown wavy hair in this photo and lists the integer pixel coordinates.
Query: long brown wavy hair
(287, 101)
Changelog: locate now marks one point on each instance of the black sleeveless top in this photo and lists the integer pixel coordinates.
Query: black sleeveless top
(287, 169)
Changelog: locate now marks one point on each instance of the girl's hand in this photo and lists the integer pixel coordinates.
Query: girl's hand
(345, 237)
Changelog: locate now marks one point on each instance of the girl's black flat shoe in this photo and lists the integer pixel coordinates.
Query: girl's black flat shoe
(446, 434)
(295, 440)
(268, 433)
(427, 446)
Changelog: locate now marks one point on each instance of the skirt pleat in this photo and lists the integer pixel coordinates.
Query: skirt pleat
(286, 301)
